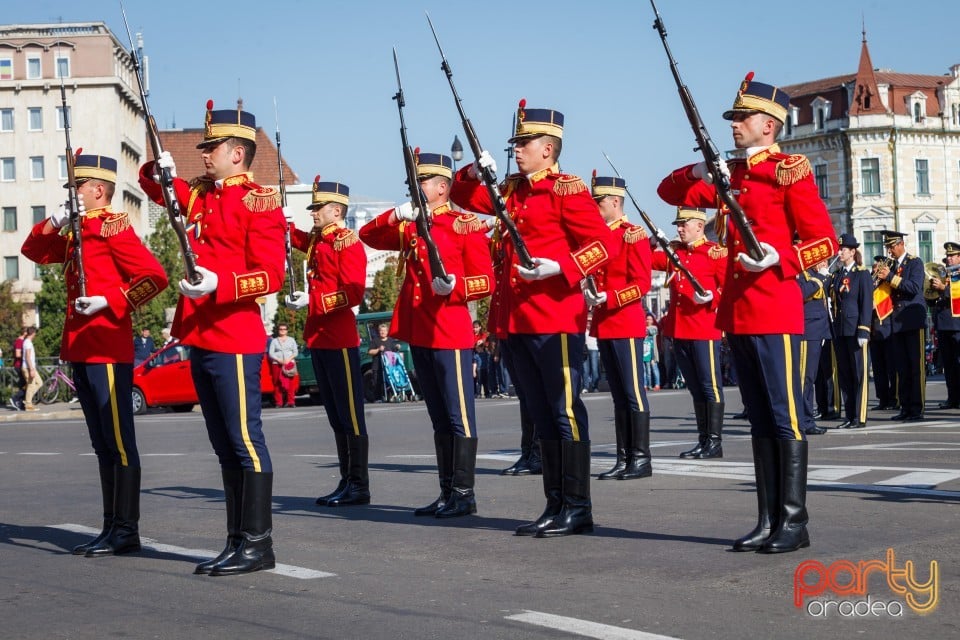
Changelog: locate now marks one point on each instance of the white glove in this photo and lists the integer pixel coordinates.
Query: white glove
(594, 299)
(165, 161)
(207, 286)
(296, 300)
(490, 222)
(701, 171)
(543, 268)
(60, 217)
(485, 161)
(288, 214)
(706, 298)
(444, 286)
(89, 305)
(770, 258)
(407, 212)
(662, 236)
(861, 342)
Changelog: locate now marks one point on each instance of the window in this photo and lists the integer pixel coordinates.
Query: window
(870, 176)
(923, 177)
(63, 67)
(36, 168)
(821, 119)
(11, 268)
(62, 172)
(820, 175)
(6, 68)
(9, 218)
(8, 170)
(6, 119)
(872, 245)
(35, 119)
(925, 245)
(39, 213)
(34, 70)
(60, 126)
(955, 109)
(917, 114)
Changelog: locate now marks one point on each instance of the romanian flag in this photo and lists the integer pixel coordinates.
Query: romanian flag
(882, 301)
(955, 297)
(6, 69)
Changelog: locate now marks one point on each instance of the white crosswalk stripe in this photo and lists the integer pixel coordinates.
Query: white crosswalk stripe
(583, 628)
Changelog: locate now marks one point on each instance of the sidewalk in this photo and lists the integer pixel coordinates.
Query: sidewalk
(55, 411)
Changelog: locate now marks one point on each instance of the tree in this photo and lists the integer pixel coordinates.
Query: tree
(165, 247)
(386, 288)
(51, 303)
(295, 320)
(11, 319)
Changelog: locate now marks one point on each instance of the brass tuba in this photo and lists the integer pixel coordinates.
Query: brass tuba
(933, 270)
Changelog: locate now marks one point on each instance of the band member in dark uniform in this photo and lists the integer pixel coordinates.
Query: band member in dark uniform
(947, 323)
(816, 329)
(881, 345)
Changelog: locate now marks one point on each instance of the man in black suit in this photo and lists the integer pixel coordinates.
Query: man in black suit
(143, 346)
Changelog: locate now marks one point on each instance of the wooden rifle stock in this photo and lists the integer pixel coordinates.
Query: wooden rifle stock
(73, 198)
(287, 241)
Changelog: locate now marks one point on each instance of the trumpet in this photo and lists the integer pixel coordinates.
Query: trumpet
(886, 262)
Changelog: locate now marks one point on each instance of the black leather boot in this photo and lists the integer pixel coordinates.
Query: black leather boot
(462, 501)
(124, 534)
(343, 455)
(790, 533)
(621, 423)
(700, 411)
(534, 462)
(766, 469)
(107, 491)
(638, 449)
(576, 516)
(552, 488)
(232, 495)
(443, 443)
(524, 466)
(714, 446)
(357, 490)
(256, 524)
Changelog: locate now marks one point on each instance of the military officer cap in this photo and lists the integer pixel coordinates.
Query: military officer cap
(432, 164)
(601, 186)
(93, 167)
(879, 258)
(759, 97)
(324, 192)
(848, 240)
(227, 123)
(892, 238)
(952, 248)
(690, 213)
(537, 122)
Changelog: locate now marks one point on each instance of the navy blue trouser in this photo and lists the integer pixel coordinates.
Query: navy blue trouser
(699, 362)
(446, 383)
(105, 392)
(768, 368)
(341, 388)
(623, 362)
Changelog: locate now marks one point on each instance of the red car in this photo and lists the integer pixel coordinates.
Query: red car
(163, 380)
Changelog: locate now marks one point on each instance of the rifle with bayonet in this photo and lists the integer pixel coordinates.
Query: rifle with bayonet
(288, 243)
(709, 150)
(487, 177)
(165, 177)
(417, 199)
(661, 237)
(73, 198)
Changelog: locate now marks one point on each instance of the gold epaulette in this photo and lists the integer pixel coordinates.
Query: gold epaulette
(633, 234)
(717, 252)
(345, 238)
(568, 185)
(113, 224)
(198, 181)
(467, 223)
(262, 199)
(509, 185)
(792, 169)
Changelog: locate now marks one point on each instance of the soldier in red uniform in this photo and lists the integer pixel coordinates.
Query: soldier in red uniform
(619, 324)
(432, 316)
(691, 323)
(761, 308)
(336, 279)
(121, 275)
(236, 229)
(542, 307)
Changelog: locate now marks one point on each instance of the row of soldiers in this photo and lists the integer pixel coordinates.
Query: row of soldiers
(583, 253)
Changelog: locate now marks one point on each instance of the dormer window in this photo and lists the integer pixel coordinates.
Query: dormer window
(793, 119)
(821, 112)
(917, 106)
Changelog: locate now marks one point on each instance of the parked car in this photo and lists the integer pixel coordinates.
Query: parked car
(164, 380)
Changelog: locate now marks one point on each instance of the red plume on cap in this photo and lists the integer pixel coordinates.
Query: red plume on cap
(77, 154)
(317, 179)
(749, 77)
(523, 103)
(209, 105)
(416, 151)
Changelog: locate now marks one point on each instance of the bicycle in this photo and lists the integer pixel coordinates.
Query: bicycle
(57, 385)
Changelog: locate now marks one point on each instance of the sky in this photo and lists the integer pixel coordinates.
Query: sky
(329, 66)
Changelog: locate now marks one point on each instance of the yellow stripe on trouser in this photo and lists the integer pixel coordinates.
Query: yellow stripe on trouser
(923, 371)
(864, 383)
(463, 401)
(568, 388)
(244, 430)
(713, 373)
(353, 405)
(835, 377)
(115, 415)
(803, 362)
(790, 383)
(633, 373)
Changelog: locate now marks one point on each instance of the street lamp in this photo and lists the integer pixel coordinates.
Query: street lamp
(456, 152)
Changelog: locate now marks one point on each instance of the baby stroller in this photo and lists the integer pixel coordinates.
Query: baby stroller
(396, 382)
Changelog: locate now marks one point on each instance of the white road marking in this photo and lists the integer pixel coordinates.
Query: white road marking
(39, 453)
(921, 479)
(301, 573)
(584, 627)
(902, 446)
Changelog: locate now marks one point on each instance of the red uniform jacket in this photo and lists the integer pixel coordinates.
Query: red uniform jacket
(557, 219)
(779, 196)
(237, 231)
(337, 277)
(625, 279)
(421, 317)
(117, 266)
(687, 320)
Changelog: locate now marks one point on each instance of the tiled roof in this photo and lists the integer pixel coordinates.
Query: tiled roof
(182, 145)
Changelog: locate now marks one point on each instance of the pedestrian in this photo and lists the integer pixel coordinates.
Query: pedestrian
(282, 354)
(591, 361)
(816, 329)
(616, 300)
(947, 322)
(378, 346)
(651, 355)
(120, 276)
(690, 323)
(761, 305)
(542, 307)
(237, 235)
(851, 296)
(143, 346)
(16, 401)
(336, 278)
(29, 370)
(168, 339)
(432, 315)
